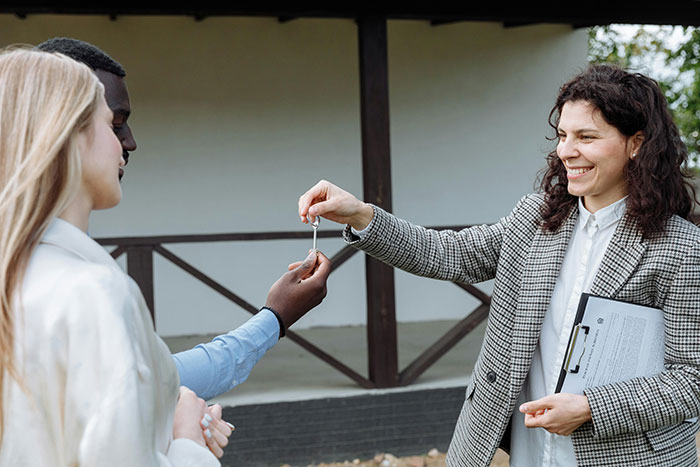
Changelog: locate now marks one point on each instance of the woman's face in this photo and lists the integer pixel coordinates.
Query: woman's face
(594, 154)
(101, 159)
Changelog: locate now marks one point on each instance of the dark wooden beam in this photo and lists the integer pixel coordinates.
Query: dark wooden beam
(139, 265)
(225, 237)
(206, 280)
(475, 292)
(118, 251)
(342, 256)
(376, 174)
(443, 345)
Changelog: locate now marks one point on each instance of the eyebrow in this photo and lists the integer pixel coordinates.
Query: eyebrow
(580, 130)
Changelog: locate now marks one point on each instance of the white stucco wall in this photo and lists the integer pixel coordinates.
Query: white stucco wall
(236, 117)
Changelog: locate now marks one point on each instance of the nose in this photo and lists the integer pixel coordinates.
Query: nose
(566, 149)
(128, 142)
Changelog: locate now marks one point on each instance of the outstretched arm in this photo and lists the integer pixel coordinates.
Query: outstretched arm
(468, 256)
(218, 366)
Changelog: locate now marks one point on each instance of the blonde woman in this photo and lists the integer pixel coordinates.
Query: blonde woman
(85, 379)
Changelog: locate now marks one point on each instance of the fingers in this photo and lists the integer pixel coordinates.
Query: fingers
(319, 209)
(323, 268)
(212, 443)
(215, 433)
(306, 267)
(188, 411)
(215, 411)
(537, 419)
(318, 191)
(535, 406)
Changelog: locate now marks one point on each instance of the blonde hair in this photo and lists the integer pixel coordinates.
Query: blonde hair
(45, 100)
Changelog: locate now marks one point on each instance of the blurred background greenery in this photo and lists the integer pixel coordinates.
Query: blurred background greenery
(670, 55)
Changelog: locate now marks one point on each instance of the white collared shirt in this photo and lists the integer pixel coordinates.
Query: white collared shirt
(101, 386)
(536, 447)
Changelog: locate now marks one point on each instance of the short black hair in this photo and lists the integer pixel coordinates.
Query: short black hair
(83, 52)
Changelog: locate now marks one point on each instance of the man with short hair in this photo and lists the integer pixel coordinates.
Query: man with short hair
(217, 366)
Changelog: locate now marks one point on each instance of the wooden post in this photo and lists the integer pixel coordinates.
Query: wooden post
(139, 265)
(376, 174)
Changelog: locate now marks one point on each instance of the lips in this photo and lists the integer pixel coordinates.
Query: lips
(121, 173)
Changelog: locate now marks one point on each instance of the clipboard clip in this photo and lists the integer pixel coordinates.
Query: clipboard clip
(577, 328)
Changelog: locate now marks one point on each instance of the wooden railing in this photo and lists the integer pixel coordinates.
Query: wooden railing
(139, 254)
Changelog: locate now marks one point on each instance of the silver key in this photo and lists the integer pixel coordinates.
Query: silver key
(314, 224)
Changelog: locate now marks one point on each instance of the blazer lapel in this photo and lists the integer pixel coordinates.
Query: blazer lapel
(624, 253)
(539, 278)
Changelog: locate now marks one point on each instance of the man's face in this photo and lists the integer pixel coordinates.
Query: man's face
(117, 97)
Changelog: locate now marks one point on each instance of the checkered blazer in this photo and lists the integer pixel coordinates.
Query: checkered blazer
(635, 422)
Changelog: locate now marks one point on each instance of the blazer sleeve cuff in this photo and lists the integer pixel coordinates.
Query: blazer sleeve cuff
(600, 426)
(372, 234)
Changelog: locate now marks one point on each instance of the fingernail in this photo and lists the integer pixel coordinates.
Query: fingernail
(523, 408)
(208, 433)
(205, 422)
(208, 417)
(231, 426)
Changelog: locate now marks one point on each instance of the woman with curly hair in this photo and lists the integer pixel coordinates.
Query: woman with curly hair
(611, 220)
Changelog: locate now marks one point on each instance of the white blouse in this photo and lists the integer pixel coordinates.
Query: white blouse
(536, 447)
(98, 386)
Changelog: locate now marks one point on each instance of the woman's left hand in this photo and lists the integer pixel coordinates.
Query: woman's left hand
(560, 414)
(215, 430)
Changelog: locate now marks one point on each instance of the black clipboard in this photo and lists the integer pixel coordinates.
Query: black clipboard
(576, 330)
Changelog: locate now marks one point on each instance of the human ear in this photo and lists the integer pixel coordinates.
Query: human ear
(636, 141)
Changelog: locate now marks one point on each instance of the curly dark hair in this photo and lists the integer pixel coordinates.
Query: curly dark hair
(657, 178)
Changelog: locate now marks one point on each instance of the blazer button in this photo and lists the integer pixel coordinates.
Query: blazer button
(491, 376)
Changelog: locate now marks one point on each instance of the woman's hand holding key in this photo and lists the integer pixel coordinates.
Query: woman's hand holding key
(329, 201)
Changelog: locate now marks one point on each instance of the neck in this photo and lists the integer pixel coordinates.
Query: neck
(596, 203)
(77, 213)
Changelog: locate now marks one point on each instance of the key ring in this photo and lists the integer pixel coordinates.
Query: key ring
(315, 222)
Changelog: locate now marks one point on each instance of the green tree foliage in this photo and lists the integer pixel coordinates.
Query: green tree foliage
(674, 63)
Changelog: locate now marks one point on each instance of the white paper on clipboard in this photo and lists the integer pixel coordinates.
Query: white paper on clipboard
(612, 341)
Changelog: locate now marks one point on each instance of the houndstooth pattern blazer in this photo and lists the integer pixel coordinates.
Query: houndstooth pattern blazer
(636, 422)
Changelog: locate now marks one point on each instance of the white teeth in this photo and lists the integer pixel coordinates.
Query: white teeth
(577, 171)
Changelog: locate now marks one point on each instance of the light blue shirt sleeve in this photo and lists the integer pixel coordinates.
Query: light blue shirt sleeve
(216, 367)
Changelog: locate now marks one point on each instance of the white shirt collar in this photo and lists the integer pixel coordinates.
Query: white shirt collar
(603, 217)
(65, 235)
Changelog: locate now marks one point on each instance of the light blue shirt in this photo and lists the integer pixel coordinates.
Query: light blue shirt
(218, 366)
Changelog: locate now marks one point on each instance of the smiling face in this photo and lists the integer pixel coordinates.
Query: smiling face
(101, 161)
(595, 154)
